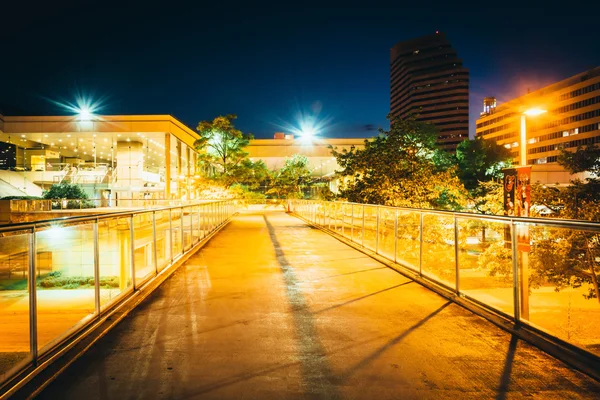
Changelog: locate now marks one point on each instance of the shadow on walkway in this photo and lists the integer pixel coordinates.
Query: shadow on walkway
(317, 374)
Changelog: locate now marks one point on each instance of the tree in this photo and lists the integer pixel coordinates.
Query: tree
(248, 173)
(68, 191)
(221, 148)
(401, 167)
(288, 182)
(480, 163)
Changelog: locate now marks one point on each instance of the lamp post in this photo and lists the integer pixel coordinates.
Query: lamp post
(523, 231)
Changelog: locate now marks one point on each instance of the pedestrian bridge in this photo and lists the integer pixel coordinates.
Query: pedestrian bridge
(272, 307)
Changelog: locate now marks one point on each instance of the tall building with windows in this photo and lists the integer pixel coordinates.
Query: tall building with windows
(572, 119)
(428, 80)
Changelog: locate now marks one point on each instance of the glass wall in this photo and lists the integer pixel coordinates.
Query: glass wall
(114, 238)
(56, 277)
(65, 288)
(15, 343)
(552, 284)
(176, 236)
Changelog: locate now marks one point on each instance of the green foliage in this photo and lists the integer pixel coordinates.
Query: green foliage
(221, 148)
(243, 192)
(247, 173)
(402, 167)
(288, 182)
(481, 160)
(71, 191)
(55, 280)
(581, 160)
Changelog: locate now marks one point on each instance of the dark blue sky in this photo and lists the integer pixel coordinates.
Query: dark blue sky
(265, 63)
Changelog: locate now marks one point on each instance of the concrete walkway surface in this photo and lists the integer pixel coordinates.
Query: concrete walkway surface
(271, 308)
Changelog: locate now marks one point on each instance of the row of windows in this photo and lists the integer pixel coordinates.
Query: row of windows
(561, 133)
(438, 84)
(421, 117)
(396, 104)
(430, 78)
(404, 56)
(409, 83)
(579, 92)
(456, 128)
(571, 119)
(423, 96)
(542, 160)
(565, 145)
(420, 71)
(496, 129)
(419, 109)
(497, 119)
(575, 106)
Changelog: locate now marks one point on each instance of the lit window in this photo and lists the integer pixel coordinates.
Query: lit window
(565, 133)
(515, 144)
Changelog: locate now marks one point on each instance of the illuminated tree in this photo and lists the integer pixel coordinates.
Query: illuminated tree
(221, 148)
(401, 167)
(288, 182)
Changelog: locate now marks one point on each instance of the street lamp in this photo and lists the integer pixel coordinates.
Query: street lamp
(532, 112)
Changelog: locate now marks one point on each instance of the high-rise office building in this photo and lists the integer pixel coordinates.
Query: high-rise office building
(428, 80)
(572, 119)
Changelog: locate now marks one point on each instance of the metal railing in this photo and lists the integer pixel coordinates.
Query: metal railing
(59, 276)
(538, 273)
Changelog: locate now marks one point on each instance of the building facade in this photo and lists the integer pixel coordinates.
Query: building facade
(572, 119)
(428, 80)
(110, 157)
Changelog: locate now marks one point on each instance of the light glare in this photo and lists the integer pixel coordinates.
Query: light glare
(534, 112)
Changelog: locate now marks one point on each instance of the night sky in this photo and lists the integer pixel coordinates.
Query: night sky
(267, 63)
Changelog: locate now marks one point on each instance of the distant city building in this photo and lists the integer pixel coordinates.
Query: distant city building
(428, 80)
(489, 106)
(572, 119)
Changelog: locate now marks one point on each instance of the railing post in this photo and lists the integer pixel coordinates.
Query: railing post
(97, 266)
(171, 235)
(515, 267)
(421, 244)
(181, 218)
(343, 218)
(155, 255)
(32, 297)
(191, 208)
(396, 235)
(363, 227)
(352, 224)
(132, 240)
(456, 253)
(377, 232)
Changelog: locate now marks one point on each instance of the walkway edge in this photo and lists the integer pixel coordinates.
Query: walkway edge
(31, 382)
(575, 358)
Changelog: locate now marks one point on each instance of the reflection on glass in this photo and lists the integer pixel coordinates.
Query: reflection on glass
(14, 302)
(65, 286)
(409, 239)
(195, 211)
(347, 220)
(176, 231)
(187, 227)
(357, 226)
(114, 241)
(144, 247)
(561, 273)
(163, 239)
(370, 227)
(485, 263)
(439, 261)
(386, 232)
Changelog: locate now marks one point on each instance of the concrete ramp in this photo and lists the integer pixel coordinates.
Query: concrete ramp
(274, 309)
(19, 182)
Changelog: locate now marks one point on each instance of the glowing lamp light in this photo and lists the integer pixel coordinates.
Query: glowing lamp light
(84, 114)
(534, 112)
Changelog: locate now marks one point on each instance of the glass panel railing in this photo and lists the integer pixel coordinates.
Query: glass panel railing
(176, 237)
(114, 243)
(65, 288)
(559, 270)
(370, 223)
(187, 227)
(357, 224)
(195, 224)
(15, 343)
(485, 263)
(408, 247)
(143, 247)
(385, 240)
(439, 261)
(347, 220)
(163, 239)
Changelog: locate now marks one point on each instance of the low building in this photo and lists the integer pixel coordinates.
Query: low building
(572, 119)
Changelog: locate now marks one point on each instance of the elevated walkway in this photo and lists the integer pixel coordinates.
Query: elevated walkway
(272, 308)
